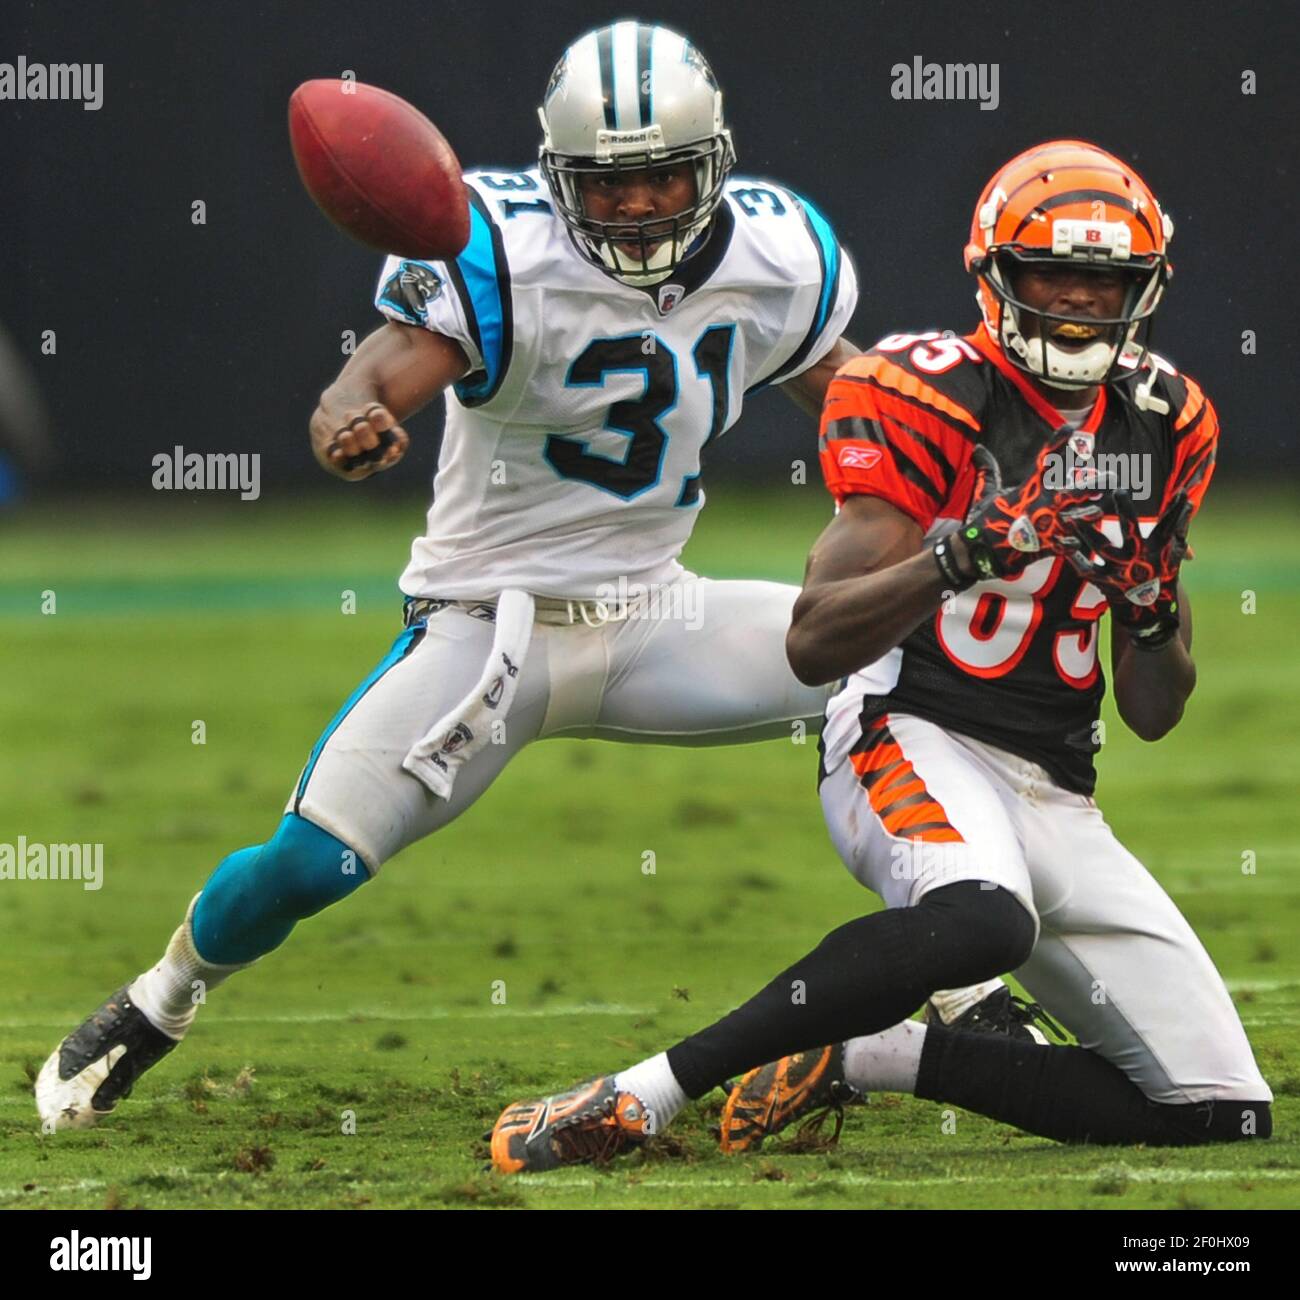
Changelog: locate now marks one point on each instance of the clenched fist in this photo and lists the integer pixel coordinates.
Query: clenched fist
(355, 440)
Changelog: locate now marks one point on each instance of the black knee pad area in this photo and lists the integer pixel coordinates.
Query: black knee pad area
(966, 932)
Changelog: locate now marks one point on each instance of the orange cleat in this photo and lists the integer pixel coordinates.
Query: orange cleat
(589, 1124)
(808, 1086)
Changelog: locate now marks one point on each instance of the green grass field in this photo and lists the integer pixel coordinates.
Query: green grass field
(381, 1007)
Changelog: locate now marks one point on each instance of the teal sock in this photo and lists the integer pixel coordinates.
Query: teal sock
(255, 897)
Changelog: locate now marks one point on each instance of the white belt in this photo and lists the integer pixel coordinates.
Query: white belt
(593, 611)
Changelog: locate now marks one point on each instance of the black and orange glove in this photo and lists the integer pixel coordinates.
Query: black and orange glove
(1006, 529)
(1139, 575)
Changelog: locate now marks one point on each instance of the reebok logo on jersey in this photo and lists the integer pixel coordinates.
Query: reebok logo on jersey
(860, 457)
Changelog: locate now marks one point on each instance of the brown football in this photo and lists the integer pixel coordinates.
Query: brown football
(379, 169)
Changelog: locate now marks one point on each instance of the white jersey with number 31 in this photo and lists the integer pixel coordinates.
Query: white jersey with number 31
(571, 457)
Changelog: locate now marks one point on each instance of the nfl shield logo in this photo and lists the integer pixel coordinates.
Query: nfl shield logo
(457, 738)
(1081, 444)
(1023, 535)
(669, 296)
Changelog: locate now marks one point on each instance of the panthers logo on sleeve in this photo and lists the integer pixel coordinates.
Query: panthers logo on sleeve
(409, 291)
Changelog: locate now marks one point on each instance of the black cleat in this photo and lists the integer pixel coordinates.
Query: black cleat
(1002, 1013)
(98, 1063)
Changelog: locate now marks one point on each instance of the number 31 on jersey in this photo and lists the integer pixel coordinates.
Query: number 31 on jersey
(646, 354)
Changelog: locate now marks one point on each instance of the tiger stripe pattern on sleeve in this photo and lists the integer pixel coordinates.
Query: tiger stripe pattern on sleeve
(890, 433)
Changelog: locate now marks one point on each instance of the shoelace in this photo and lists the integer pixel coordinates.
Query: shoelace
(598, 1144)
(809, 1136)
(1033, 1011)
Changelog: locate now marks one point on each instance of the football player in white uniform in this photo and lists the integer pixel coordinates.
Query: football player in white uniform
(609, 315)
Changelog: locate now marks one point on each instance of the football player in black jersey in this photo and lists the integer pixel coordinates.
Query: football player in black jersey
(998, 493)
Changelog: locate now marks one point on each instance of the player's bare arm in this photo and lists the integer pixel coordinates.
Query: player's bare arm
(867, 585)
(808, 390)
(396, 371)
(1152, 687)
(870, 581)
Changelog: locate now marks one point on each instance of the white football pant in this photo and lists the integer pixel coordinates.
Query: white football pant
(705, 666)
(1115, 961)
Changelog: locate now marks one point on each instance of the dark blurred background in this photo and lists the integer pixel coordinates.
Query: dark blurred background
(220, 336)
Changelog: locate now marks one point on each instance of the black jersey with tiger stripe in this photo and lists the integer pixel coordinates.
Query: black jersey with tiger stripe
(1011, 662)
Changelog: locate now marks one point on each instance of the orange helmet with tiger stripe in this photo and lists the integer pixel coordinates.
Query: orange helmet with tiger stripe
(1068, 201)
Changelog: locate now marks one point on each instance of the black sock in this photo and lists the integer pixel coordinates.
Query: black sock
(1070, 1094)
(862, 978)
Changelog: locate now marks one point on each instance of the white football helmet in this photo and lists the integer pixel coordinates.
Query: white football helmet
(629, 97)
